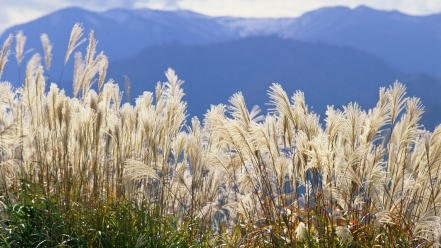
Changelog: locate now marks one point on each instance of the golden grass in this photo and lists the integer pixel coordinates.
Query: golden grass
(362, 177)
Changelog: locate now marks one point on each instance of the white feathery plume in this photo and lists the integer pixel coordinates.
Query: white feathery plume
(47, 48)
(33, 68)
(4, 53)
(239, 110)
(344, 235)
(74, 40)
(397, 99)
(20, 41)
(91, 48)
(79, 67)
(301, 231)
(280, 102)
(102, 71)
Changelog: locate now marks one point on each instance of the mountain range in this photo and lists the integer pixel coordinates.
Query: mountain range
(326, 74)
(335, 55)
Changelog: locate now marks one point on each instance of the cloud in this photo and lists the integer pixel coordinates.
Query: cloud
(159, 4)
(14, 12)
(103, 4)
(277, 8)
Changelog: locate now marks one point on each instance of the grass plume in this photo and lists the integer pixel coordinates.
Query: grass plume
(360, 178)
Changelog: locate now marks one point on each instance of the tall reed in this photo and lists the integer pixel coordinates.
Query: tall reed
(362, 177)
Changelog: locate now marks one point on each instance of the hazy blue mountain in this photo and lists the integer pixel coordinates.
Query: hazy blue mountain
(410, 43)
(327, 74)
(120, 32)
(333, 54)
(123, 32)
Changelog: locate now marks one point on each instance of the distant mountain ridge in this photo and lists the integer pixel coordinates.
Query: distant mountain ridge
(335, 54)
(120, 32)
(327, 74)
(409, 43)
(123, 32)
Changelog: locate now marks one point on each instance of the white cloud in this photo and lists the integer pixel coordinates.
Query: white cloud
(18, 11)
(12, 16)
(277, 8)
(158, 4)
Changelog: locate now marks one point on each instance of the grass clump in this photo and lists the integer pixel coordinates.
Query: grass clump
(35, 219)
(114, 173)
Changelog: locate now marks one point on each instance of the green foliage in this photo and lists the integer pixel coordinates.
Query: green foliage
(121, 224)
(35, 219)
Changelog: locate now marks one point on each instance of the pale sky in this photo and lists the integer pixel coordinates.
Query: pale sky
(18, 11)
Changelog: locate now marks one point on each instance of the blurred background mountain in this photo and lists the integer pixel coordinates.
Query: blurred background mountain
(334, 54)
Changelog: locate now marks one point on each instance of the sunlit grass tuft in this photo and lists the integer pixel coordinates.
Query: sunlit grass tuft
(122, 174)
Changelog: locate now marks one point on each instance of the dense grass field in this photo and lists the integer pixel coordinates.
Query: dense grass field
(90, 170)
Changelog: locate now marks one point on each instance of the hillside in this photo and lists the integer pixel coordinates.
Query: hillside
(409, 43)
(327, 74)
(334, 54)
(120, 32)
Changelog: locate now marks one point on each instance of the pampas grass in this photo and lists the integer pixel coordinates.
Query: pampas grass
(20, 41)
(4, 53)
(74, 41)
(360, 178)
(47, 48)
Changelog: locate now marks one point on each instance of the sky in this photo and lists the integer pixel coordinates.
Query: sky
(18, 11)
